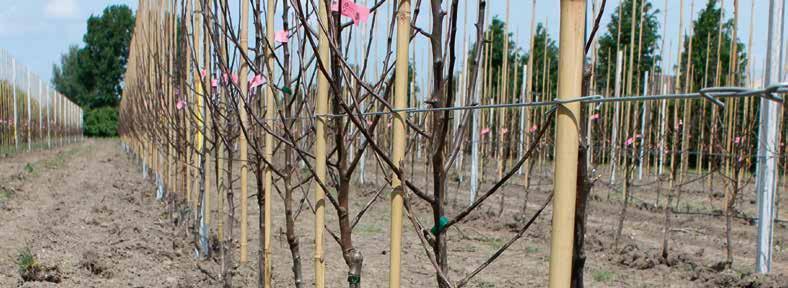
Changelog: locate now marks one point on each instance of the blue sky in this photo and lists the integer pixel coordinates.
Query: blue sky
(37, 32)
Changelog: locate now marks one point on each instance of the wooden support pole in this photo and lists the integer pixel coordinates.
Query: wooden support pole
(398, 139)
(270, 105)
(529, 91)
(321, 108)
(566, 141)
(244, 155)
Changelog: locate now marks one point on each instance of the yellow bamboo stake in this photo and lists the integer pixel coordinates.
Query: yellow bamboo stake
(398, 138)
(630, 72)
(242, 77)
(269, 148)
(503, 90)
(321, 108)
(568, 120)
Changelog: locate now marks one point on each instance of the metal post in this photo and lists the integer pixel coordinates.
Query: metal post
(16, 116)
(616, 112)
(475, 135)
(29, 125)
(662, 120)
(766, 168)
(49, 118)
(40, 107)
(570, 77)
(523, 115)
(643, 127)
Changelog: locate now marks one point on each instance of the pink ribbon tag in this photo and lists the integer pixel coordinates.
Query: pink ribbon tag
(533, 128)
(225, 79)
(632, 139)
(388, 125)
(281, 36)
(361, 15)
(369, 123)
(485, 131)
(358, 13)
(180, 104)
(203, 73)
(504, 131)
(595, 116)
(214, 83)
(235, 79)
(737, 140)
(257, 81)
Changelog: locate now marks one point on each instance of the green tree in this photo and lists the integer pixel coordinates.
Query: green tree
(610, 43)
(705, 39)
(545, 47)
(92, 76)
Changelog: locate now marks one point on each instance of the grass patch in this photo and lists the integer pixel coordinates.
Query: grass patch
(493, 243)
(603, 276)
(29, 168)
(58, 161)
(30, 269)
(5, 194)
(367, 229)
(532, 249)
(26, 261)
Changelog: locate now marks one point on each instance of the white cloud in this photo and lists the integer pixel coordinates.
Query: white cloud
(61, 8)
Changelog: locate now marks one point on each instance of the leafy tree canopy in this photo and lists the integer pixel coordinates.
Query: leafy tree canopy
(92, 76)
(706, 44)
(617, 37)
(545, 59)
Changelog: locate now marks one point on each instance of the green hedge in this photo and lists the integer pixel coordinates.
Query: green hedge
(101, 122)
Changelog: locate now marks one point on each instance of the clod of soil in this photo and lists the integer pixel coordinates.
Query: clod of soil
(91, 261)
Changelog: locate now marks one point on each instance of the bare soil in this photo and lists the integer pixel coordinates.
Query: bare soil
(86, 210)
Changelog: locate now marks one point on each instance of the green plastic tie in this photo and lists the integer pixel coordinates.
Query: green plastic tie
(442, 222)
(354, 279)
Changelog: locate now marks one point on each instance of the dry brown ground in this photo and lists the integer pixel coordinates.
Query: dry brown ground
(83, 204)
(94, 199)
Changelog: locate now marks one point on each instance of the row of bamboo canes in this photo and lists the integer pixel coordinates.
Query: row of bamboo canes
(33, 115)
(316, 106)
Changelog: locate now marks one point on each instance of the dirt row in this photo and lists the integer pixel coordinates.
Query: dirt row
(86, 215)
(87, 220)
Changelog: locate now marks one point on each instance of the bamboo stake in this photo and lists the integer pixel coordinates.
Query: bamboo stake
(503, 86)
(529, 90)
(687, 107)
(566, 150)
(398, 139)
(270, 104)
(630, 60)
(321, 108)
(243, 34)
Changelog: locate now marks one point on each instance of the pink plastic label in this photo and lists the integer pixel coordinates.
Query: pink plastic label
(281, 36)
(358, 13)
